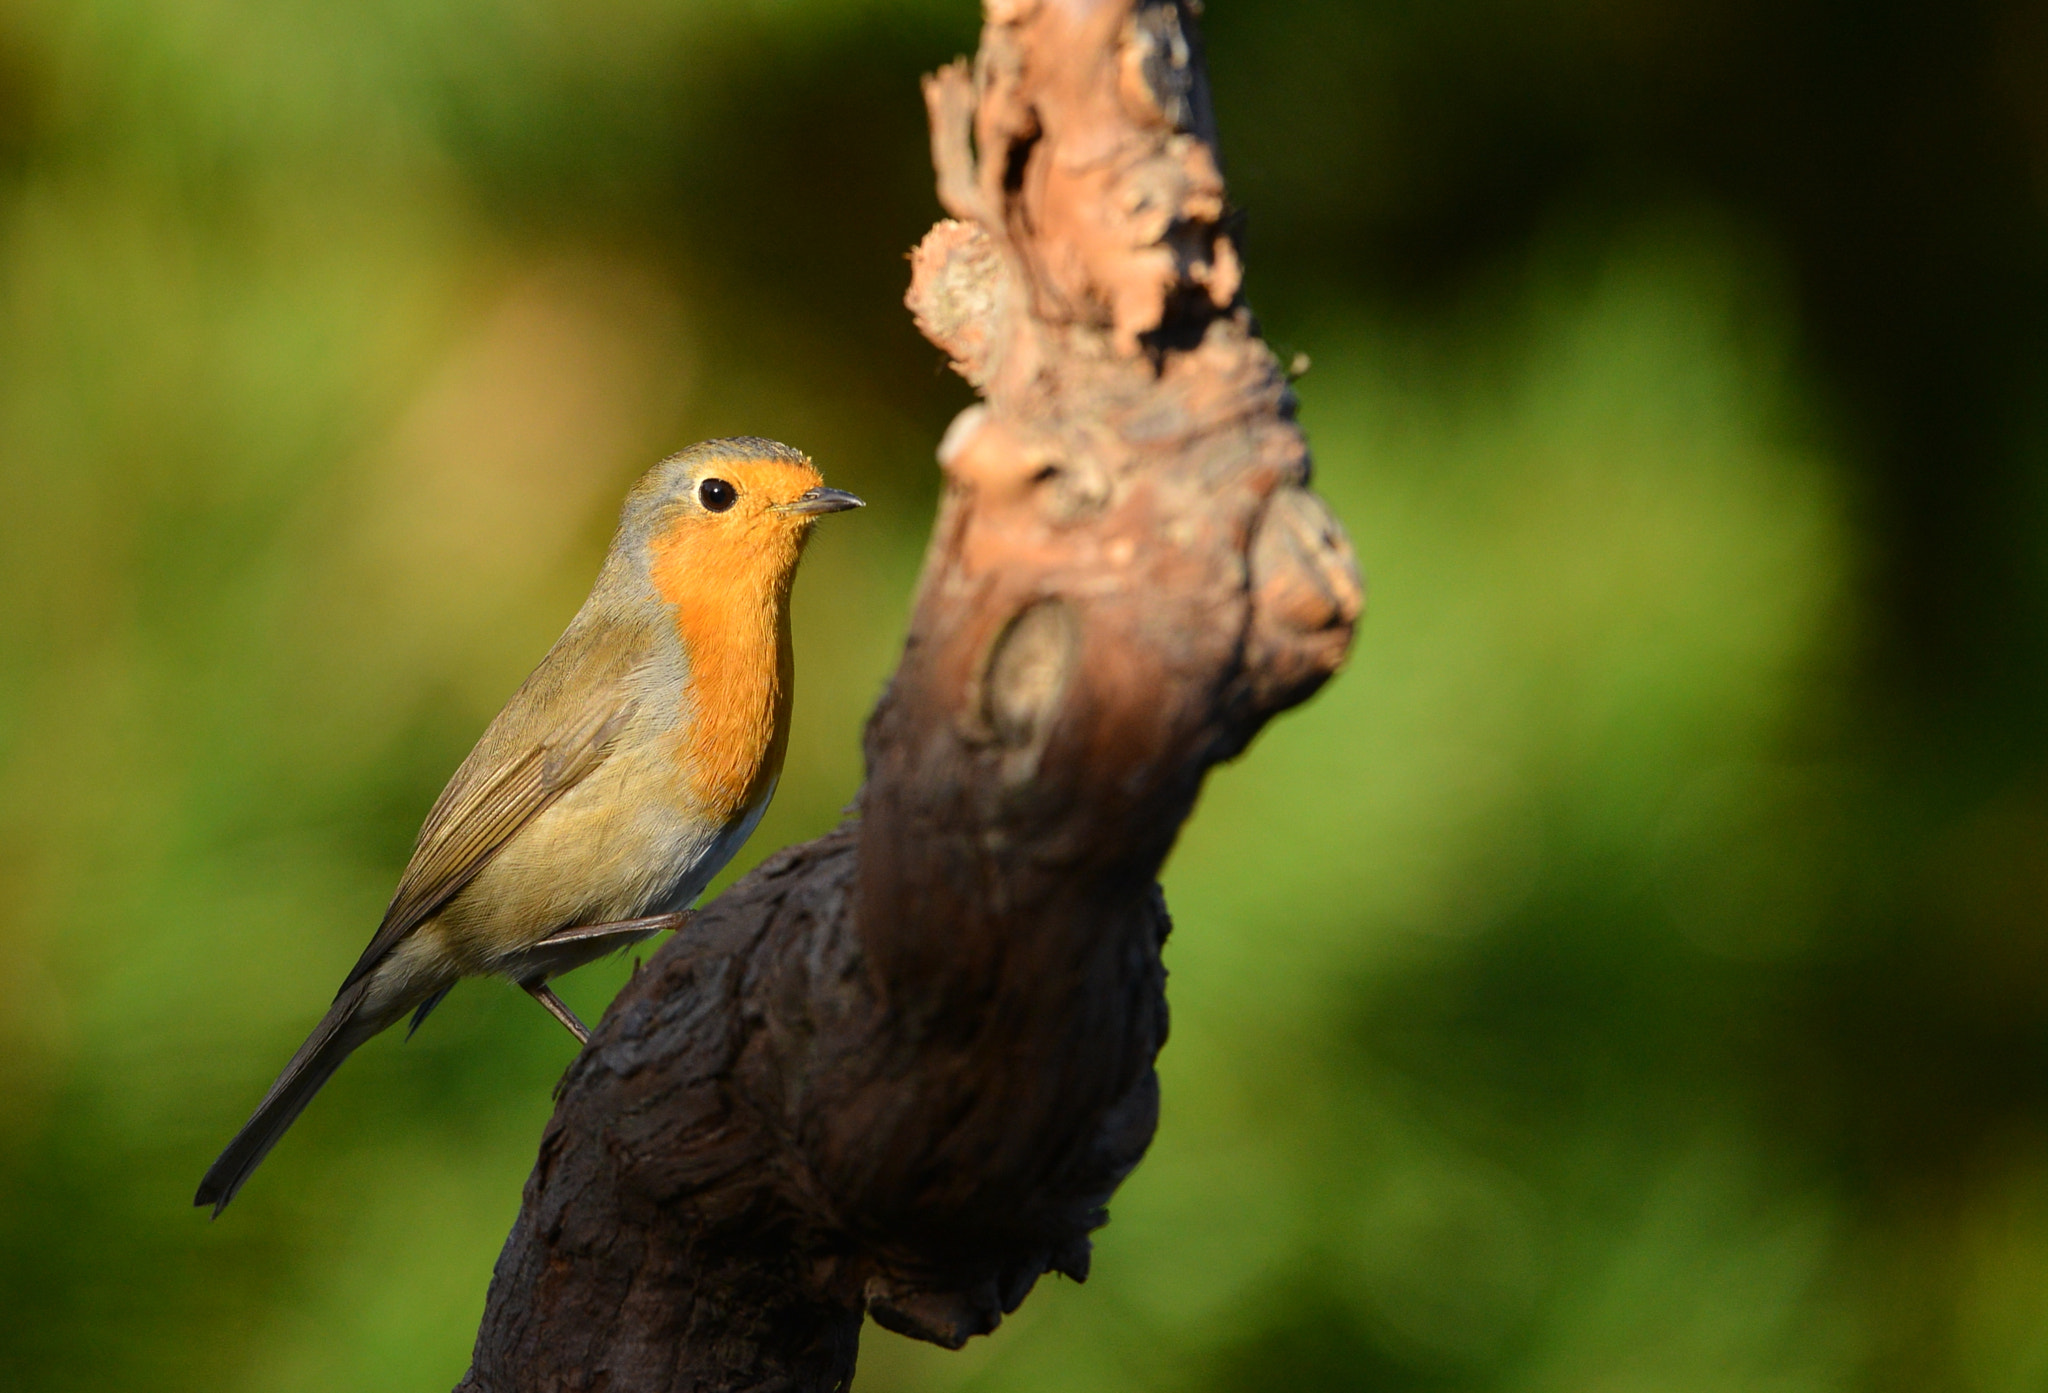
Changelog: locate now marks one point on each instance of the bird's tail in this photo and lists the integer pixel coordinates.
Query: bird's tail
(340, 1031)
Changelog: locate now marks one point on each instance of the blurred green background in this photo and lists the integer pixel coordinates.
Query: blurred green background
(1630, 975)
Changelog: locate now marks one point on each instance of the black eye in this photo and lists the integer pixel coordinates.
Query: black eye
(717, 495)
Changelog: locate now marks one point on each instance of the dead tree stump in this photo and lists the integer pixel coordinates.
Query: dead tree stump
(901, 1069)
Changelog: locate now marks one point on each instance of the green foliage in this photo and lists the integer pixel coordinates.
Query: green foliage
(1628, 975)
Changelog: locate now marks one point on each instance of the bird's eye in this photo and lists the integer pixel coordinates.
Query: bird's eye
(717, 495)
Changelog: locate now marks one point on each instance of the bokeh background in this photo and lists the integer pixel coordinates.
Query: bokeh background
(1631, 974)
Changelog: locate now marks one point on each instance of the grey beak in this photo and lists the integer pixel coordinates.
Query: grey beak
(822, 500)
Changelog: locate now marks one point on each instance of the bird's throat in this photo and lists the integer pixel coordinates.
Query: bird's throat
(732, 619)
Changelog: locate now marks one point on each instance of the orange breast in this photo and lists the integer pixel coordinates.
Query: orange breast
(730, 589)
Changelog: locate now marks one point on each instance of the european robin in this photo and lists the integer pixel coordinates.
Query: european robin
(620, 777)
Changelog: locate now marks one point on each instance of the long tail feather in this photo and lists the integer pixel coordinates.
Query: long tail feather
(332, 1041)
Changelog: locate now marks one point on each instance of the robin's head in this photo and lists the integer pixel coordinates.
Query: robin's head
(725, 514)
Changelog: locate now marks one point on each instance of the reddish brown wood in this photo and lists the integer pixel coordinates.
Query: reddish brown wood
(902, 1069)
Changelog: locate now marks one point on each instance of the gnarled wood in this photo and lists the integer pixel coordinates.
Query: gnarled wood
(902, 1069)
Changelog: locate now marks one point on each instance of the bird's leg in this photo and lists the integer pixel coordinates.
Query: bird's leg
(625, 930)
(559, 1009)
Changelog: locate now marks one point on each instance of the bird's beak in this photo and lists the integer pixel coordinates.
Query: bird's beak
(822, 500)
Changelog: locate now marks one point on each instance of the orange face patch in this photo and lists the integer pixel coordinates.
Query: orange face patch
(728, 576)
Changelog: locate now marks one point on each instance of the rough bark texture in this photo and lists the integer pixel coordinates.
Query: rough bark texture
(901, 1069)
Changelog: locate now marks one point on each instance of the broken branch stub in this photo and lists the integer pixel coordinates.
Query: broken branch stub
(1129, 553)
(904, 1067)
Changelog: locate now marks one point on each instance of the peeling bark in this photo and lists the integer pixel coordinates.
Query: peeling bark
(902, 1069)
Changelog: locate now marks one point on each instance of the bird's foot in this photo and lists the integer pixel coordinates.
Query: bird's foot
(559, 1009)
(624, 930)
(622, 933)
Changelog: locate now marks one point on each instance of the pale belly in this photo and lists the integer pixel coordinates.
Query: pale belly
(599, 855)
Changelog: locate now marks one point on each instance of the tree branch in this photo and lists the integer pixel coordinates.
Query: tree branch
(902, 1069)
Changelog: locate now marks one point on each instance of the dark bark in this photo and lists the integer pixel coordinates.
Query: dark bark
(901, 1069)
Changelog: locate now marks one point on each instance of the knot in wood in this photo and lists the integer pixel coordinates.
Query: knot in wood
(1028, 668)
(957, 286)
(1307, 595)
(1156, 75)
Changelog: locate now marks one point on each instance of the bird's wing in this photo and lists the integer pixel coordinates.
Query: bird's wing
(557, 728)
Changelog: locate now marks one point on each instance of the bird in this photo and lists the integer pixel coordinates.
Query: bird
(621, 776)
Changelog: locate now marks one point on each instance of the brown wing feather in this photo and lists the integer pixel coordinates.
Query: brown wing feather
(558, 727)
